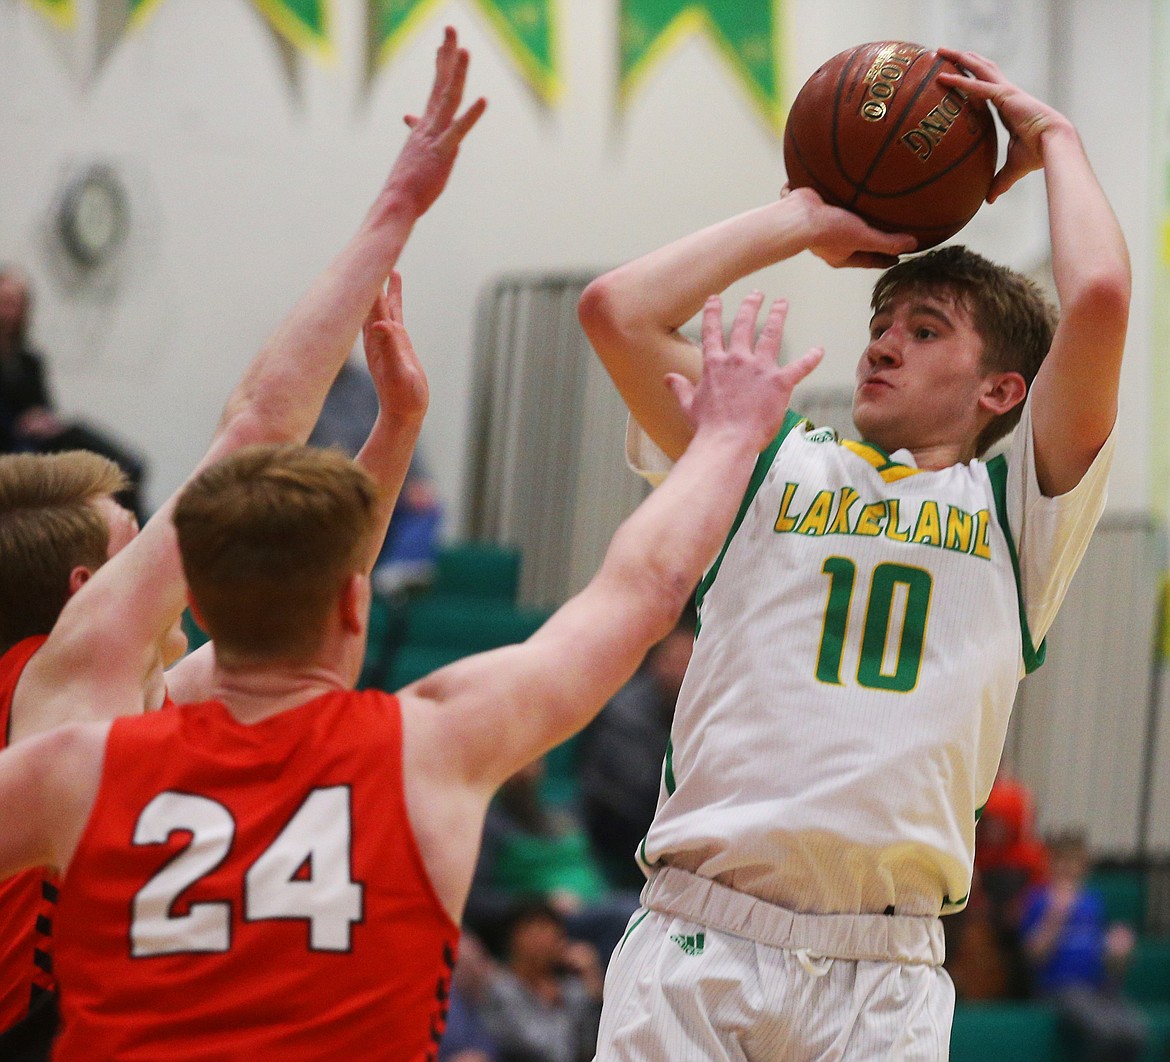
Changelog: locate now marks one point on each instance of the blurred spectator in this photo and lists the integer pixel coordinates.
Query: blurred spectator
(407, 558)
(543, 1004)
(28, 421)
(1009, 858)
(980, 965)
(1078, 959)
(1009, 854)
(622, 752)
(531, 849)
(350, 408)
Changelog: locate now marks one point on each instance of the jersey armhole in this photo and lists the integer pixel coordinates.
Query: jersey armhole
(763, 463)
(997, 472)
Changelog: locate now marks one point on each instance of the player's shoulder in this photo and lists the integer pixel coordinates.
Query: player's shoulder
(67, 751)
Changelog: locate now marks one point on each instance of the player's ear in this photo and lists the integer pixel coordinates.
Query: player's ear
(1003, 391)
(78, 577)
(354, 603)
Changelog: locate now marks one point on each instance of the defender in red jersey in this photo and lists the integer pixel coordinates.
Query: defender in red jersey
(59, 523)
(184, 892)
(279, 872)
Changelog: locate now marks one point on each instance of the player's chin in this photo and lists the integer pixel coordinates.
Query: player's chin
(872, 415)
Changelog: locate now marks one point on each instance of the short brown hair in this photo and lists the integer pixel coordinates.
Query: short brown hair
(1009, 311)
(48, 527)
(268, 537)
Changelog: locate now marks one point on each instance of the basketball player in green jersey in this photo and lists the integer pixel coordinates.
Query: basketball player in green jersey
(863, 631)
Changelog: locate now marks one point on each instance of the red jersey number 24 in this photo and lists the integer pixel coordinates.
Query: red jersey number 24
(316, 839)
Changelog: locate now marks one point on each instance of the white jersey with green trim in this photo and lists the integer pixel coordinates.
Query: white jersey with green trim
(861, 637)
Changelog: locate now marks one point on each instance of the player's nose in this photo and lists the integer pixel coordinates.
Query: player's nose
(885, 349)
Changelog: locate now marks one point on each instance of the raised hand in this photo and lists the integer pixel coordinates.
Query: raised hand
(1026, 118)
(742, 388)
(420, 173)
(399, 379)
(841, 238)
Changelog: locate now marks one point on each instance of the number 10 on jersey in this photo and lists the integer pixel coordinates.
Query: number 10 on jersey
(890, 655)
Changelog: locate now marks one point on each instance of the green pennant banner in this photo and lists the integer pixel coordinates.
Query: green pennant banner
(747, 33)
(62, 12)
(304, 23)
(526, 27)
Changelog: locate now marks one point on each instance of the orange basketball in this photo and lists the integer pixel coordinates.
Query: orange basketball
(874, 131)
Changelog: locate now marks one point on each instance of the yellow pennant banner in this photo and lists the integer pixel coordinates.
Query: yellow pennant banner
(61, 12)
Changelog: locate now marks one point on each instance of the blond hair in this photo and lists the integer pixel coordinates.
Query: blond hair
(268, 537)
(49, 526)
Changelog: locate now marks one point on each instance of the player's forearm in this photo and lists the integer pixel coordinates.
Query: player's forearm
(281, 395)
(664, 289)
(1090, 260)
(1074, 397)
(631, 314)
(663, 548)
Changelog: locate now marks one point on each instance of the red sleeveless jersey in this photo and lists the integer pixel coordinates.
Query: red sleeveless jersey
(253, 891)
(27, 898)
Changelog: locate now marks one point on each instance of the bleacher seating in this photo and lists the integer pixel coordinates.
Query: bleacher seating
(469, 607)
(1123, 891)
(1147, 977)
(478, 569)
(1005, 1032)
(1029, 1032)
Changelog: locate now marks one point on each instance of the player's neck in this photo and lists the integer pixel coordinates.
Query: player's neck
(932, 457)
(254, 692)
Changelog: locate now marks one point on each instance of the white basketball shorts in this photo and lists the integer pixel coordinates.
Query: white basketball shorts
(707, 974)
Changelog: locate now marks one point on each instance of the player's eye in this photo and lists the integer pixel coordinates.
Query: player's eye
(925, 333)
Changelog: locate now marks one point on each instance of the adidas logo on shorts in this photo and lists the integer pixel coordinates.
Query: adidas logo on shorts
(692, 945)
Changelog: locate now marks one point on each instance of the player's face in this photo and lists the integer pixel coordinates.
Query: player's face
(920, 378)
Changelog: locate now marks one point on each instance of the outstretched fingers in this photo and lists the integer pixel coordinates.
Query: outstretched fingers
(444, 61)
(743, 328)
(795, 371)
(451, 64)
(712, 331)
(453, 136)
(452, 92)
(378, 313)
(398, 375)
(684, 391)
(768, 344)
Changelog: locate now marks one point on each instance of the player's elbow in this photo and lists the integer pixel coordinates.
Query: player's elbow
(256, 424)
(1102, 296)
(606, 312)
(596, 308)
